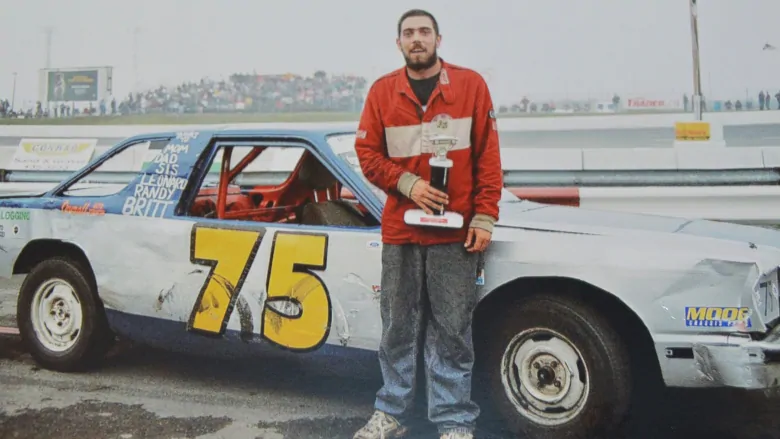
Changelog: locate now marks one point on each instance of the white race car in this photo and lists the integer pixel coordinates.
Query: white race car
(252, 238)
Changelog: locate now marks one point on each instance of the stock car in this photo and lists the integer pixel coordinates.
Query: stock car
(271, 238)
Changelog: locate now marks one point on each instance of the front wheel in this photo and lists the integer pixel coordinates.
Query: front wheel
(556, 369)
(60, 317)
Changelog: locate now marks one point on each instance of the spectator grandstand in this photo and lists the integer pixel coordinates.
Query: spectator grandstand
(250, 93)
(321, 92)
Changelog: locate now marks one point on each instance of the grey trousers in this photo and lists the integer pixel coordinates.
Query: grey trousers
(447, 274)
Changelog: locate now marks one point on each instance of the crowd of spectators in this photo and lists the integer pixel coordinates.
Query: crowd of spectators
(250, 93)
(321, 92)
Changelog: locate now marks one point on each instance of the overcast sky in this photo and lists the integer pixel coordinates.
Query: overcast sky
(539, 48)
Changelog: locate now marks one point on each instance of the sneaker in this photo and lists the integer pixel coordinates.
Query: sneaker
(456, 435)
(381, 426)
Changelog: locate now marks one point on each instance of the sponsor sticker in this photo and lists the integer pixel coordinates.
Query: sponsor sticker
(717, 316)
(85, 209)
(14, 215)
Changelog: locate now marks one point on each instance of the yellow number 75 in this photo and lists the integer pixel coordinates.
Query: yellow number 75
(297, 311)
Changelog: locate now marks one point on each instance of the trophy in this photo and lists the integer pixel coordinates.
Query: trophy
(440, 177)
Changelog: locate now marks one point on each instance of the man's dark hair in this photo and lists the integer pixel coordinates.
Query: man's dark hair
(418, 13)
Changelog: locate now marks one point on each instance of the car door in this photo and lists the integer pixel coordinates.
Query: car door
(351, 275)
(294, 286)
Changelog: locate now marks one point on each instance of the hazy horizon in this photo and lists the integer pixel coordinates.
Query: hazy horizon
(550, 49)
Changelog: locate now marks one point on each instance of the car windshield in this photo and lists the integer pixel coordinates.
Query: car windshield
(344, 146)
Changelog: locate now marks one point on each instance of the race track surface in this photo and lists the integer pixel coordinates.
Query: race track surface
(735, 135)
(141, 392)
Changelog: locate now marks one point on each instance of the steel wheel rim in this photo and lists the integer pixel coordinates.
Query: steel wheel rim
(56, 315)
(545, 376)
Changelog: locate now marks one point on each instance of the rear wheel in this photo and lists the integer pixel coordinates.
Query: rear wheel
(60, 318)
(556, 369)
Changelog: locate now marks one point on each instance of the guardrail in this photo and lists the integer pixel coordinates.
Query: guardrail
(557, 167)
(707, 178)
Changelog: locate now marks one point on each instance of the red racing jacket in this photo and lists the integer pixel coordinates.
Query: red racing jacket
(393, 152)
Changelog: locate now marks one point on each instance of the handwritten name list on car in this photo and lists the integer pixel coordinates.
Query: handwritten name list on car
(161, 184)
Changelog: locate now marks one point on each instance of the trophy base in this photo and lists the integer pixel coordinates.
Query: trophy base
(418, 217)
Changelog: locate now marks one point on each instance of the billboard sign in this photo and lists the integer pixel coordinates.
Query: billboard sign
(75, 84)
(52, 154)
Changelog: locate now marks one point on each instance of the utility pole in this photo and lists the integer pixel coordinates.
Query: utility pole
(136, 80)
(13, 93)
(696, 69)
(49, 31)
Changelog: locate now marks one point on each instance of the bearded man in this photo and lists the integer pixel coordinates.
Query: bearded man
(435, 267)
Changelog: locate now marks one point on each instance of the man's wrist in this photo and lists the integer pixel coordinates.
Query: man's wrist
(482, 221)
(406, 182)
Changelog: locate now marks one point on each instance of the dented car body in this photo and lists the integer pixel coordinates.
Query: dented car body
(272, 237)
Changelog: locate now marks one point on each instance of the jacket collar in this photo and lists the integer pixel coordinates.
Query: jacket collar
(444, 86)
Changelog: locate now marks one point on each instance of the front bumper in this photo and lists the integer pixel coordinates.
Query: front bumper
(740, 363)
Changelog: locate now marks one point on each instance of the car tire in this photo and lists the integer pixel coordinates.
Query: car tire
(568, 356)
(57, 300)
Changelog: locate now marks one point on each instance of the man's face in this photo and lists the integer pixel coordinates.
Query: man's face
(418, 43)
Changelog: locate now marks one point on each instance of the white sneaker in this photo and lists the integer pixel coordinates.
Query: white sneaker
(455, 435)
(381, 426)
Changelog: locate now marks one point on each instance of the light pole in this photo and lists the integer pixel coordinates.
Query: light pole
(13, 93)
(696, 71)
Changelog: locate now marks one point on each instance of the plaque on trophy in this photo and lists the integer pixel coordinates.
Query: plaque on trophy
(440, 178)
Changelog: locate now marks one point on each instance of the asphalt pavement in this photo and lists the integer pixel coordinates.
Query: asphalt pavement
(735, 135)
(141, 392)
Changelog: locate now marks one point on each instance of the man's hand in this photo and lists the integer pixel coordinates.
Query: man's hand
(477, 240)
(427, 197)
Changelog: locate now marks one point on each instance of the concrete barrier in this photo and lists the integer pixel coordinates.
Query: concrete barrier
(754, 205)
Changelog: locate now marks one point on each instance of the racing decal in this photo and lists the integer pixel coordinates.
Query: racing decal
(297, 311)
(85, 209)
(164, 178)
(717, 316)
(229, 253)
(14, 215)
(186, 136)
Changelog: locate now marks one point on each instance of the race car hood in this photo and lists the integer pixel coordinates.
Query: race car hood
(536, 216)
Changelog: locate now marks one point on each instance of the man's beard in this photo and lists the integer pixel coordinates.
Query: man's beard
(418, 66)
